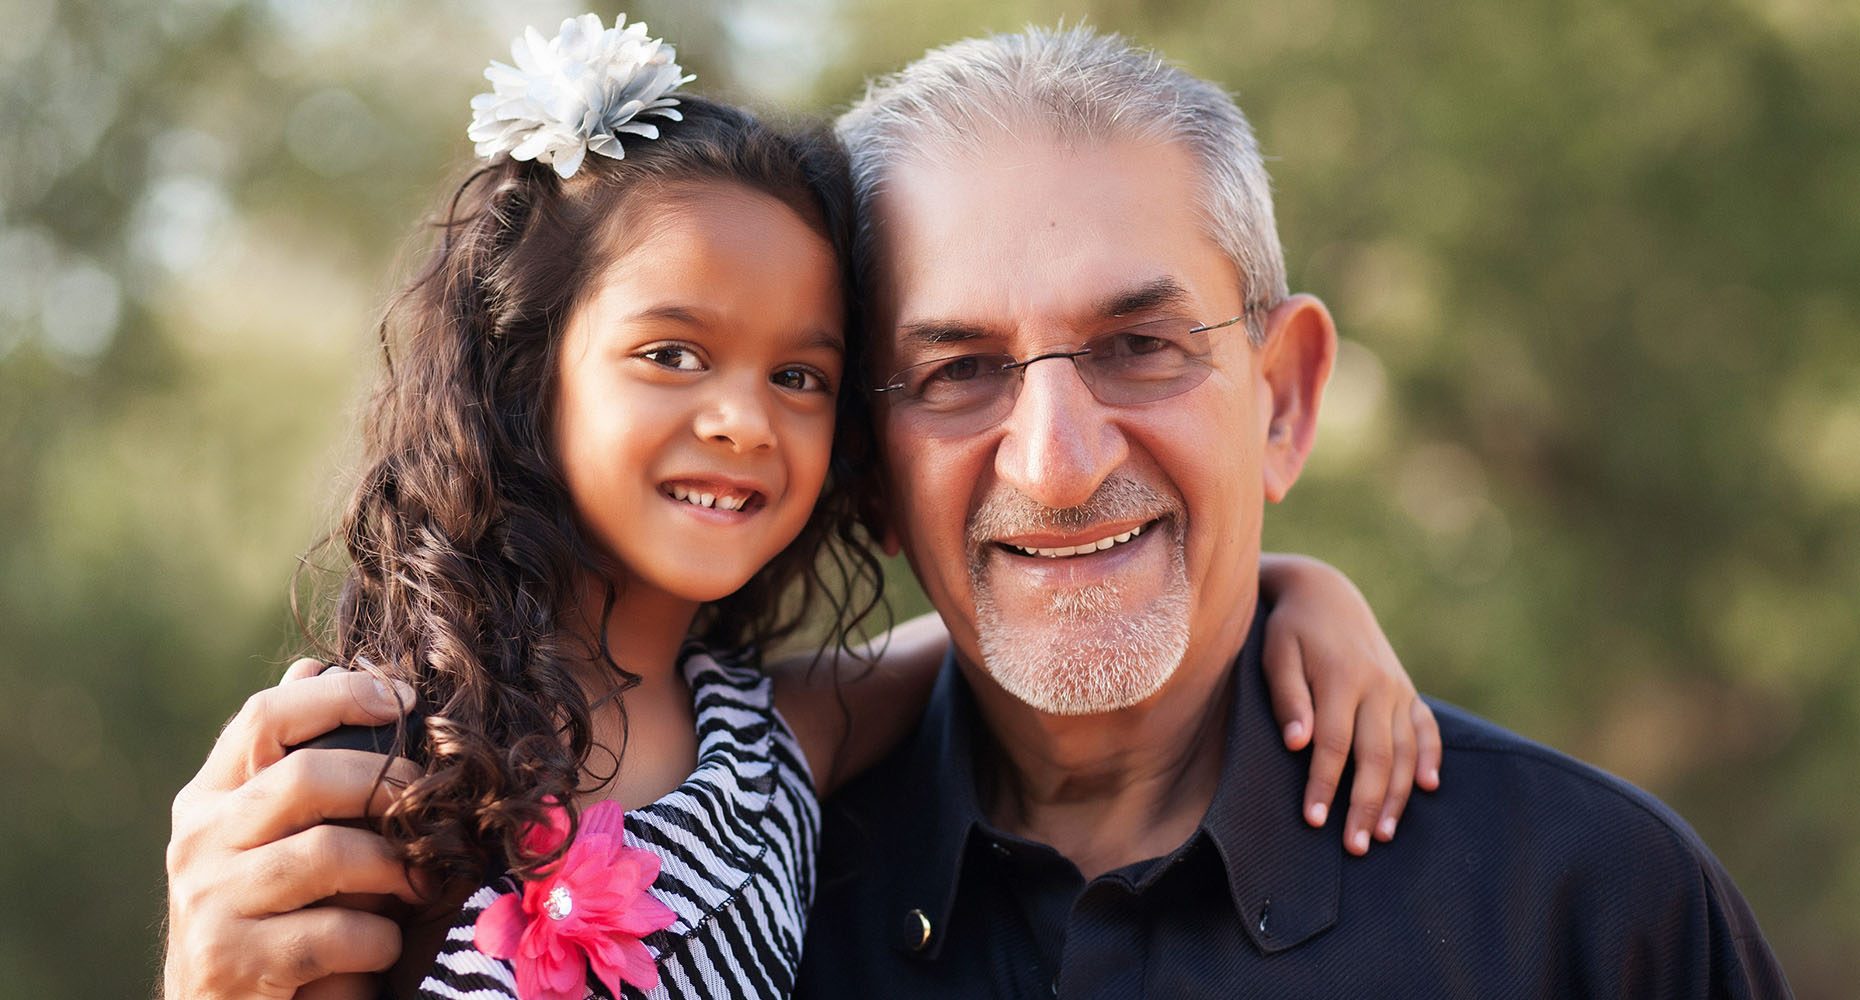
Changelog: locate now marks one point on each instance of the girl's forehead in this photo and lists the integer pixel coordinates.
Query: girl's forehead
(735, 259)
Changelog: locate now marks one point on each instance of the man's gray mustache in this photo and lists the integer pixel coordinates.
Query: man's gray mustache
(1006, 512)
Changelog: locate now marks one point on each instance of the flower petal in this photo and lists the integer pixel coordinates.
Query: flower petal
(624, 960)
(499, 928)
(563, 94)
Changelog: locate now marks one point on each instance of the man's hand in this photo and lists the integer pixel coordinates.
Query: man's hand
(251, 851)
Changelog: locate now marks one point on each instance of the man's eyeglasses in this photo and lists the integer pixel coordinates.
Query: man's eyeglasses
(968, 393)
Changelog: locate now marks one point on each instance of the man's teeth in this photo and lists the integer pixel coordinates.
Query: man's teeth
(1079, 550)
(713, 500)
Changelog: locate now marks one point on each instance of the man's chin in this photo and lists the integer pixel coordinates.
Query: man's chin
(1085, 652)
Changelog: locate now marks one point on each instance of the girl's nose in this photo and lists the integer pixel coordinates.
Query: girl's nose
(737, 418)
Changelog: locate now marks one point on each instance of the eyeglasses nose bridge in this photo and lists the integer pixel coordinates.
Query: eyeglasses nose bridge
(1016, 372)
(1048, 356)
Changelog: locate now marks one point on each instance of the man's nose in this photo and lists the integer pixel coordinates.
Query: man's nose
(1058, 442)
(737, 415)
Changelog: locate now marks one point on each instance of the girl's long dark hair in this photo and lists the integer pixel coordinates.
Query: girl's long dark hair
(465, 559)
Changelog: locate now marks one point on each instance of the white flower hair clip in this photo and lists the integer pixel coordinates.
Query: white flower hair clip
(578, 91)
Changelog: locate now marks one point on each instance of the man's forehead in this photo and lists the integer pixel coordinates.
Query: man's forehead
(1041, 232)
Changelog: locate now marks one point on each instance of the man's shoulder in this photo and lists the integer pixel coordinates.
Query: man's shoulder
(1539, 781)
(1565, 820)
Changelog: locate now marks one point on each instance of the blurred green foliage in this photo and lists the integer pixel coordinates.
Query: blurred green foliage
(1592, 449)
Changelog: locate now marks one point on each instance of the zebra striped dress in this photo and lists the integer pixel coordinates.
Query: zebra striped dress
(736, 843)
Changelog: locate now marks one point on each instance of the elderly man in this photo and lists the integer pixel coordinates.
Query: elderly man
(1076, 279)
(1097, 379)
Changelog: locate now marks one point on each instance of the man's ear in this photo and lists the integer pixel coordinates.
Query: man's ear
(1295, 362)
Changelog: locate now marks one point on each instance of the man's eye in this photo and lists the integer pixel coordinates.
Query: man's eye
(957, 369)
(676, 357)
(800, 380)
(1130, 344)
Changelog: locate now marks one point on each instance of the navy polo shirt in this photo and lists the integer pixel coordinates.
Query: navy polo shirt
(1529, 874)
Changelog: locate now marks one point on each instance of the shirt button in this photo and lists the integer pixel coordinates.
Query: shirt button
(915, 930)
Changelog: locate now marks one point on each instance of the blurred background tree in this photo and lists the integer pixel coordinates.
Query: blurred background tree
(1592, 448)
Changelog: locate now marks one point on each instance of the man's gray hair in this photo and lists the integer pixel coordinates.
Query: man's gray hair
(1073, 85)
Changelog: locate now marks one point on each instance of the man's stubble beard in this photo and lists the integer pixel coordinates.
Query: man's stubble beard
(1088, 653)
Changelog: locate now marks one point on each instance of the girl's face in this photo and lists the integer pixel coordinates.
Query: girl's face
(694, 415)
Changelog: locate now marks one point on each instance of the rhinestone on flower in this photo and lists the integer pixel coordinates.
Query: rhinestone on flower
(559, 904)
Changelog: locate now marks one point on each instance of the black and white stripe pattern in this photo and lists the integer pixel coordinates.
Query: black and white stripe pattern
(736, 844)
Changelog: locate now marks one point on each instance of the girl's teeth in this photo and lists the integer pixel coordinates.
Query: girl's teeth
(711, 500)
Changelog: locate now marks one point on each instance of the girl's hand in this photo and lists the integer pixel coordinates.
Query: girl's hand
(1323, 645)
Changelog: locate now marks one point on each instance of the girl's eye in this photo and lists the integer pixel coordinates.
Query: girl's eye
(800, 379)
(676, 357)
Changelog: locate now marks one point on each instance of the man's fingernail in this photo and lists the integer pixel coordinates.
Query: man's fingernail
(1386, 828)
(395, 695)
(1293, 730)
(1317, 812)
(1359, 841)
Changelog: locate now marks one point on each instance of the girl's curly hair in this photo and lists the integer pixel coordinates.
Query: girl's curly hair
(464, 554)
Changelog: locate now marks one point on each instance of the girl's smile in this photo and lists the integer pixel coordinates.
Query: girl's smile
(733, 495)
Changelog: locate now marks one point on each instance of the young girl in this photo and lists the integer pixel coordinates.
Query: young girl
(619, 449)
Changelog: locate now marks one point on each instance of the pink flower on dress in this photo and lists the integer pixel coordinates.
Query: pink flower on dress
(590, 908)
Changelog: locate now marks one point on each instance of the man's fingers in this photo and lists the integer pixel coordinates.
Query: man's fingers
(1427, 742)
(309, 787)
(289, 714)
(318, 863)
(306, 946)
(1289, 688)
(1401, 775)
(1330, 750)
(1375, 756)
(348, 986)
(367, 902)
(301, 669)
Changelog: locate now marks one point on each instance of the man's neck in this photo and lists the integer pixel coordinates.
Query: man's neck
(1107, 790)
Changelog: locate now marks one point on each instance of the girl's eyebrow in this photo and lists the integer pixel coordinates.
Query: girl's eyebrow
(674, 313)
(684, 315)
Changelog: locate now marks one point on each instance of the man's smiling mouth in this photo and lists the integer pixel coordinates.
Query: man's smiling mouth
(1084, 548)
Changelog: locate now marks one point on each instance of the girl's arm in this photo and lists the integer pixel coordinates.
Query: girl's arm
(879, 698)
(1323, 646)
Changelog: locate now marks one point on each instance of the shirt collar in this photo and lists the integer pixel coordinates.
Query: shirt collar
(1283, 877)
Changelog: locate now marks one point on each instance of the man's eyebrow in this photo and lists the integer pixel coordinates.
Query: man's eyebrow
(1150, 296)
(1159, 293)
(940, 332)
